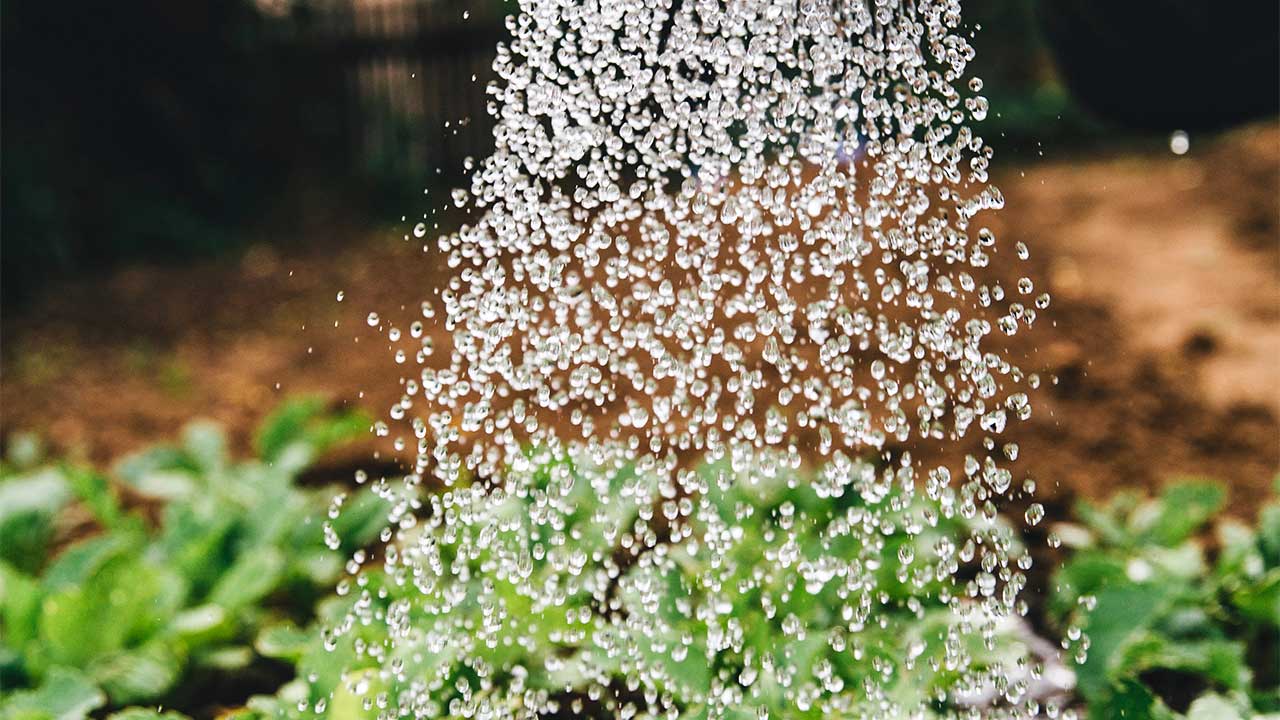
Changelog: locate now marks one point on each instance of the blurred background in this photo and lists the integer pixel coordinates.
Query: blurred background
(203, 200)
(188, 185)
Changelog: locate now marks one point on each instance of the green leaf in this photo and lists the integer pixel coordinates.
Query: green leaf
(1269, 533)
(285, 425)
(1084, 574)
(19, 607)
(283, 705)
(1259, 600)
(1129, 700)
(1213, 707)
(95, 491)
(85, 559)
(122, 605)
(253, 576)
(197, 539)
(25, 540)
(302, 429)
(285, 642)
(1122, 613)
(137, 713)
(146, 673)
(347, 704)
(1104, 521)
(65, 694)
(360, 521)
(165, 461)
(169, 484)
(1239, 554)
(27, 506)
(203, 625)
(279, 513)
(1183, 508)
(44, 491)
(71, 630)
(205, 445)
(226, 658)
(320, 567)
(1185, 561)
(1221, 661)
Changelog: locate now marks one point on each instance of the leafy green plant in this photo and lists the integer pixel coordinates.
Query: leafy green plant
(1172, 620)
(662, 615)
(790, 632)
(340, 673)
(193, 563)
(120, 615)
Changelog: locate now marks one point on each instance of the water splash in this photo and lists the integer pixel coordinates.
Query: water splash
(726, 287)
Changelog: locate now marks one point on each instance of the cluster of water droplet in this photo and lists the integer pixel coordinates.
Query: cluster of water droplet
(725, 272)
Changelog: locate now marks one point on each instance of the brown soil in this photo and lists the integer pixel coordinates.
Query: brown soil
(1165, 274)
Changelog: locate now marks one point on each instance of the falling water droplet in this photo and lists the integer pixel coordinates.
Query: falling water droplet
(721, 269)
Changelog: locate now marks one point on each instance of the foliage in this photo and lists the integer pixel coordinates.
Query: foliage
(800, 614)
(119, 616)
(195, 563)
(449, 646)
(1177, 622)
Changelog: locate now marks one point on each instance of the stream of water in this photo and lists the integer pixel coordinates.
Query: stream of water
(721, 421)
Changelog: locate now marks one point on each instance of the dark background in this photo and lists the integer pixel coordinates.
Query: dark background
(163, 131)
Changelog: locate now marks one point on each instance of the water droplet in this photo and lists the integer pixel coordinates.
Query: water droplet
(713, 281)
(1034, 514)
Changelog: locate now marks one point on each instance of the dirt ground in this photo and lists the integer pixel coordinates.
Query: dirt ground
(1164, 271)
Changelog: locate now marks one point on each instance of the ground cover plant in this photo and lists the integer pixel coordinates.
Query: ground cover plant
(172, 585)
(1175, 610)
(405, 641)
(124, 596)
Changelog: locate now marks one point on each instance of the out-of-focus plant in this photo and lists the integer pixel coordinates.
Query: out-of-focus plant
(120, 614)
(1176, 613)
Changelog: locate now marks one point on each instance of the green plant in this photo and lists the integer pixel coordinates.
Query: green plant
(1176, 622)
(344, 660)
(120, 615)
(244, 567)
(696, 616)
